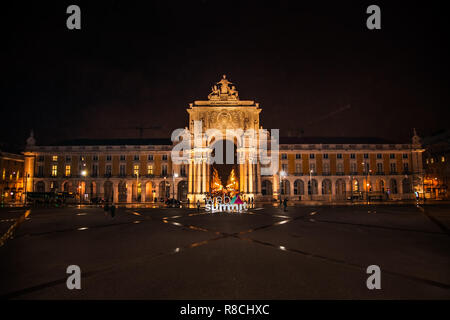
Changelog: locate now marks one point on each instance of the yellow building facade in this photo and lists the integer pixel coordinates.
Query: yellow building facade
(307, 168)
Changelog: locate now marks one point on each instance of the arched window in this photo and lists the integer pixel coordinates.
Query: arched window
(340, 187)
(164, 185)
(326, 186)
(122, 188)
(299, 187)
(355, 185)
(182, 190)
(394, 189)
(406, 184)
(285, 187)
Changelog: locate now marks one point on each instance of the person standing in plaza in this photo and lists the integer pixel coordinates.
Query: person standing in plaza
(285, 204)
(113, 210)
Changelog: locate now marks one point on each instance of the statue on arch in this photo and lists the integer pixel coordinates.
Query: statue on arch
(214, 92)
(224, 88)
(234, 93)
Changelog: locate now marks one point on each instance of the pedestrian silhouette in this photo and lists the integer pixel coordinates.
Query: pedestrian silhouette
(113, 211)
(285, 204)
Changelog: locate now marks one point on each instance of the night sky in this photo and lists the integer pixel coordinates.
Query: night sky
(315, 68)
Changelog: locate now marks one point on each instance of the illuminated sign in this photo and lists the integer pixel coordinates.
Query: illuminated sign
(225, 204)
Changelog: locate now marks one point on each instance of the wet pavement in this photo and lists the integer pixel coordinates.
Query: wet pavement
(307, 252)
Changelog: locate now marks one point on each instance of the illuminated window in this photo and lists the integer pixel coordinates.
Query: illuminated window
(428, 161)
(54, 170)
(149, 169)
(18, 175)
(67, 170)
(55, 158)
(4, 174)
(136, 169)
(432, 160)
(443, 159)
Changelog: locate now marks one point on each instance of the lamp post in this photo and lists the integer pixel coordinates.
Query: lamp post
(83, 173)
(175, 175)
(310, 184)
(165, 191)
(26, 187)
(137, 185)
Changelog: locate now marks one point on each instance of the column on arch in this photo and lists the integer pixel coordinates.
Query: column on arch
(203, 175)
(250, 175)
(190, 178)
(198, 177)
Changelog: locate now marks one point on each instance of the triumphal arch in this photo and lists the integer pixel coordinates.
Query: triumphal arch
(224, 123)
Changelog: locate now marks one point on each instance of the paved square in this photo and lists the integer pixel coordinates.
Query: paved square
(308, 252)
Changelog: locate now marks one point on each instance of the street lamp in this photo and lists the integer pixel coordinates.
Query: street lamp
(310, 184)
(165, 191)
(175, 175)
(83, 173)
(137, 185)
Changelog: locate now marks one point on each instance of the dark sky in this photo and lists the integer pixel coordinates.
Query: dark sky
(314, 67)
